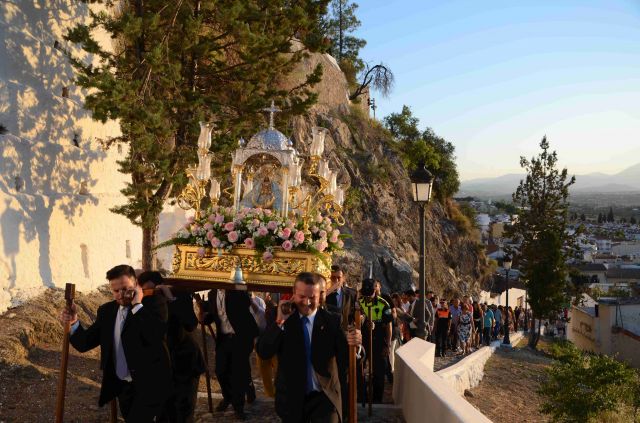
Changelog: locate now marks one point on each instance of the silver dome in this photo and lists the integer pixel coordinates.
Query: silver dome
(269, 139)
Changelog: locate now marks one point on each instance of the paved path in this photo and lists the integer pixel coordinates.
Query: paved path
(262, 410)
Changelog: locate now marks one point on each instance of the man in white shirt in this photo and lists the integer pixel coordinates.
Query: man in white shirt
(131, 332)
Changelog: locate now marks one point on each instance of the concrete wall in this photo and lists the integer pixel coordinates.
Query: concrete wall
(56, 227)
(582, 330)
(468, 372)
(597, 334)
(422, 394)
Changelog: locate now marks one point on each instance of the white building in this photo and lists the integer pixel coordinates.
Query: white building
(56, 182)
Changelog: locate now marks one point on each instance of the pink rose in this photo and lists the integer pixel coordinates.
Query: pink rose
(229, 226)
(272, 225)
(299, 237)
(201, 252)
(287, 245)
(255, 223)
(219, 218)
(286, 233)
(191, 219)
(323, 234)
(232, 236)
(334, 238)
(215, 242)
(267, 212)
(196, 228)
(321, 246)
(208, 226)
(249, 242)
(262, 231)
(267, 256)
(340, 243)
(319, 218)
(335, 232)
(212, 218)
(290, 224)
(210, 235)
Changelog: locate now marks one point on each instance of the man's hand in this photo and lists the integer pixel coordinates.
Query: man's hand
(354, 337)
(282, 316)
(69, 315)
(137, 298)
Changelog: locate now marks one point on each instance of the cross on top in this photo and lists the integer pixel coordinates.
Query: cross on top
(272, 111)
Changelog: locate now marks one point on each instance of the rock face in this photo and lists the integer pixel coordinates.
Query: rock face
(380, 213)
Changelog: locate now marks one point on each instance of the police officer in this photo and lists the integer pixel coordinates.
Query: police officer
(377, 311)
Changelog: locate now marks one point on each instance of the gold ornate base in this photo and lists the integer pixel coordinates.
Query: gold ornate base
(219, 266)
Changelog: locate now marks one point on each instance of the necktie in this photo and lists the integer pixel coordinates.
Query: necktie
(339, 298)
(307, 347)
(122, 370)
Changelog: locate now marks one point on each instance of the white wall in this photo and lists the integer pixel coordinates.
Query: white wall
(50, 233)
(422, 394)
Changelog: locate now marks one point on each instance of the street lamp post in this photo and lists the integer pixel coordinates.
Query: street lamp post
(421, 187)
(506, 264)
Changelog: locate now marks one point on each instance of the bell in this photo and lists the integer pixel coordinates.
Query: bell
(238, 279)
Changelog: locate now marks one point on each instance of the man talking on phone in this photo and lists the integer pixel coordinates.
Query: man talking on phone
(130, 331)
(312, 356)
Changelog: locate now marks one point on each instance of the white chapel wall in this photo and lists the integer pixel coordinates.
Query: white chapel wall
(55, 197)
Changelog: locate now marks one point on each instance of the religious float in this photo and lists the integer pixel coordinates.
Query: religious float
(282, 218)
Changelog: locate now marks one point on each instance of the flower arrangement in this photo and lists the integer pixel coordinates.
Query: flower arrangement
(223, 228)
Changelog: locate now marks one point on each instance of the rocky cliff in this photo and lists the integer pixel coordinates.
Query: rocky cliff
(380, 213)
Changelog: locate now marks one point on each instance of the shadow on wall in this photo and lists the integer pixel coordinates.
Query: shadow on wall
(42, 170)
(170, 221)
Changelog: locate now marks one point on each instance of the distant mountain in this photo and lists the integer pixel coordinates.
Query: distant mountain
(626, 181)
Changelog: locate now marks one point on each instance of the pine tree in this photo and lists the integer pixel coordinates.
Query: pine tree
(633, 220)
(542, 198)
(583, 217)
(610, 217)
(177, 63)
(600, 219)
(339, 24)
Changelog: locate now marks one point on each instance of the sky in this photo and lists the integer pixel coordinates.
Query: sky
(494, 77)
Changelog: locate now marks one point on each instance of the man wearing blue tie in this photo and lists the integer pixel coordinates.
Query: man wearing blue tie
(340, 298)
(312, 357)
(134, 361)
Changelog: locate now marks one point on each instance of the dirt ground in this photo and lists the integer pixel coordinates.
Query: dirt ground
(30, 345)
(518, 374)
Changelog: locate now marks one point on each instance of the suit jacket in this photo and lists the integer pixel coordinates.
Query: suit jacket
(346, 312)
(329, 356)
(237, 305)
(143, 341)
(186, 356)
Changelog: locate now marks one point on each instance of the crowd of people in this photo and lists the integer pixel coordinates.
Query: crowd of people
(152, 362)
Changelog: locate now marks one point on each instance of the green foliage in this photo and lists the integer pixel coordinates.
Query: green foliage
(463, 217)
(178, 63)
(582, 386)
(426, 148)
(507, 207)
(542, 198)
(339, 25)
(353, 199)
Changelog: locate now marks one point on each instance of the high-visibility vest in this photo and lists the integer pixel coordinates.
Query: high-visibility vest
(374, 309)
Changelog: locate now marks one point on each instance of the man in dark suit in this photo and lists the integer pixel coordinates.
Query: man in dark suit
(236, 330)
(187, 362)
(312, 357)
(340, 298)
(131, 332)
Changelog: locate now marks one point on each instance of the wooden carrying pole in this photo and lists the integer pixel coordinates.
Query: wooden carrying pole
(353, 371)
(69, 295)
(370, 390)
(206, 356)
(113, 418)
